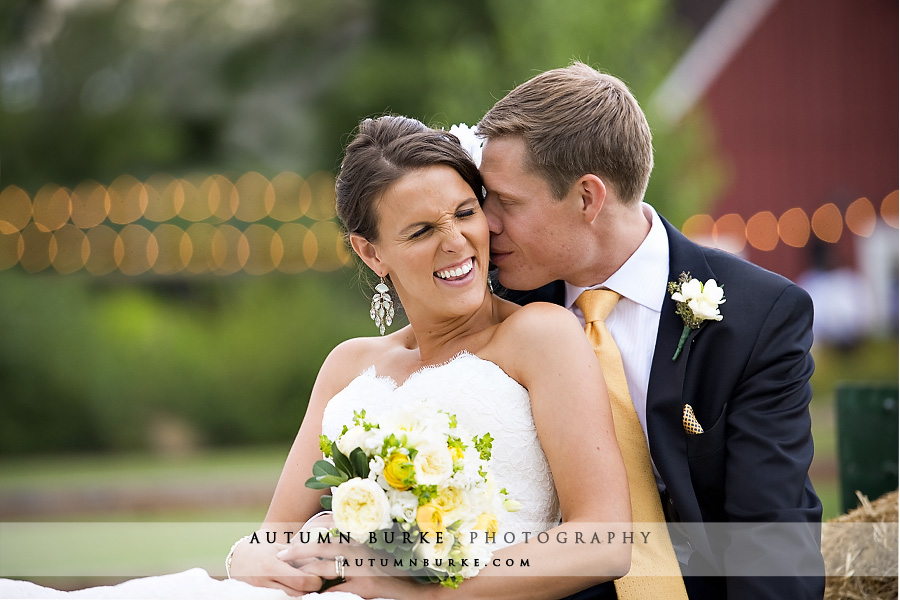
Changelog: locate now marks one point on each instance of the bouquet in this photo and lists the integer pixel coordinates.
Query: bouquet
(410, 485)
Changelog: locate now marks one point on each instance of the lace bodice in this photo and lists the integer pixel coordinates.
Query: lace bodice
(484, 399)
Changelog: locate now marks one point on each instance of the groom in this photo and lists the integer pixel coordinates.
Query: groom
(566, 162)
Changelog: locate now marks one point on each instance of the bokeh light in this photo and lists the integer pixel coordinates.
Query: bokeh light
(257, 197)
(292, 197)
(103, 229)
(102, 242)
(793, 227)
(11, 248)
(69, 249)
(127, 200)
(90, 204)
(161, 205)
(889, 209)
(187, 199)
(168, 240)
(828, 223)
(36, 254)
(730, 232)
(52, 208)
(133, 250)
(15, 209)
(321, 188)
(762, 231)
(293, 237)
(221, 196)
(860, 217)
(225, 250)
(261, 251)
(698, 228)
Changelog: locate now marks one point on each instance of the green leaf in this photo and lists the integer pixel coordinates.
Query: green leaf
(333, 480)
(360, 462)
(341, 461)
(325, 501)
(323, 467)
(315, 484)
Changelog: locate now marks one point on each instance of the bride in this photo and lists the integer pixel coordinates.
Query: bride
(410, 200)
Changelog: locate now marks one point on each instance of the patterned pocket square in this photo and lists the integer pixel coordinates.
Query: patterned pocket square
(689, 421)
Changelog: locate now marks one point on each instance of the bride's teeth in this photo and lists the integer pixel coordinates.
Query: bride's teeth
(457, 272)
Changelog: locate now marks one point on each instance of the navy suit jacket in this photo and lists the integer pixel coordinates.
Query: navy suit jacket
(747, 379)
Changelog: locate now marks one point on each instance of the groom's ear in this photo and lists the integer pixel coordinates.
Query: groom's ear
(367, 251)
(593, 195)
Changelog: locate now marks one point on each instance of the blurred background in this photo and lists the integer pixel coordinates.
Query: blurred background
(172, 274)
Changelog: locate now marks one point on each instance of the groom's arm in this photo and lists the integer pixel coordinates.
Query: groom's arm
(769, 450)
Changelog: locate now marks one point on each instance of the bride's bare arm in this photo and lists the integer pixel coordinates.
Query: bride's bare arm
(293, 503)
(544, 347)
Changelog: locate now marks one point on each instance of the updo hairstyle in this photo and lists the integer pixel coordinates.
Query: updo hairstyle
(384, 150)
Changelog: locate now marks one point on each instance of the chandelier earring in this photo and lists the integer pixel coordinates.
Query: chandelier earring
(382, 311)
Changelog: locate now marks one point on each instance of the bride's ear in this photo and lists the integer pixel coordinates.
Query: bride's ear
(367, 251)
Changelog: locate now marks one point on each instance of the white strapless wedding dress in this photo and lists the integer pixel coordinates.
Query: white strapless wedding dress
(484, 399)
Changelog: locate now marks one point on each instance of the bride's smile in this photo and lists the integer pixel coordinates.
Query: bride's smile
(458, 272)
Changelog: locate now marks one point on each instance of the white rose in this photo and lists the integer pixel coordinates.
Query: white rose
(433, 463)
(360, 506)
(355, 437)
(403, 505)
(433, 550)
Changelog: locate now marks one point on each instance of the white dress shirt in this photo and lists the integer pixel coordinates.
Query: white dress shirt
(634, 321)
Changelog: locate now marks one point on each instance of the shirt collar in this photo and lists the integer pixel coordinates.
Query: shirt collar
(642, 279)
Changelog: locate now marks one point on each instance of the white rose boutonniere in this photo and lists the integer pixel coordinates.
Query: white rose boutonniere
(696, 302)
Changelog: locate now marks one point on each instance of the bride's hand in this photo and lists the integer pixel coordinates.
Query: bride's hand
(363, 571)
(257, 564)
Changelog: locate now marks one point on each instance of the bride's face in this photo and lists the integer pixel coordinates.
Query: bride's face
(433, 242)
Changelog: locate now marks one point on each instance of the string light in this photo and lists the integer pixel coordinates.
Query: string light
(207, 224)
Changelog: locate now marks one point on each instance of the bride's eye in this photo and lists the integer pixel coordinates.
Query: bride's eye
(465, 213)
(420, 232)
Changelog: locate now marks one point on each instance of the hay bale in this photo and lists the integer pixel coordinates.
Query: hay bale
(849, 551)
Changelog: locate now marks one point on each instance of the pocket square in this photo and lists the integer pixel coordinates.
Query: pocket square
(689, 421)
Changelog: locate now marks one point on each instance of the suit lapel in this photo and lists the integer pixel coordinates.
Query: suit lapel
(665, 401)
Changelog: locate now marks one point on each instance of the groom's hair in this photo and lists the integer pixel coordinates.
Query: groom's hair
(574, 121)
(384, 150)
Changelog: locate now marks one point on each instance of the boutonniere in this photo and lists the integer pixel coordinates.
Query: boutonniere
(696, 302)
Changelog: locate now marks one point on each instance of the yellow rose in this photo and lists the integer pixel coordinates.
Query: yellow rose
(398, 470)
(430, 518)
(487, 522)
(449, 500)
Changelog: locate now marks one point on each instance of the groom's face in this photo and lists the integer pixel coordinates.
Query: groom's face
(531, 241)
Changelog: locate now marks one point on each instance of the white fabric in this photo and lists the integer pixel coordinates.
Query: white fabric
(634, 321)
(484, 400)
(193, 584)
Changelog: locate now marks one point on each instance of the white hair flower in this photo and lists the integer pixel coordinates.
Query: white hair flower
(470, 141)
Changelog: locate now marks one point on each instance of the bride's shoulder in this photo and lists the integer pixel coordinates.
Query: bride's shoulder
(540, 325)
(351, 357)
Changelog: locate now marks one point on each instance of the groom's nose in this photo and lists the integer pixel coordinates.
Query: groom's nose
(495, 225)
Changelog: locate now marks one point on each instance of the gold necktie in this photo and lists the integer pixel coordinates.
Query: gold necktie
(654, 569)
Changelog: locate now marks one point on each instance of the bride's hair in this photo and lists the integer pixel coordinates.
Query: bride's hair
(384, 150)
